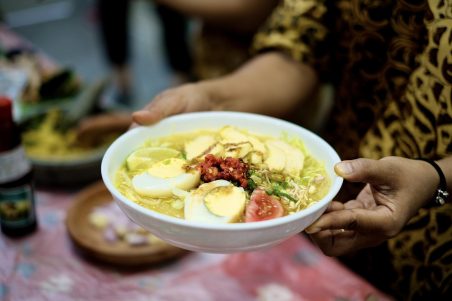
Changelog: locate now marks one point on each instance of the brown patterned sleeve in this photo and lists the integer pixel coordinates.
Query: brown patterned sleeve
(298, 28)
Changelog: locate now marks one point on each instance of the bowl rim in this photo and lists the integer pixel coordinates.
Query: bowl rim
(335, 185)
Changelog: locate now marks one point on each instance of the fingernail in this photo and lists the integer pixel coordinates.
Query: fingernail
(344, 168)
(312, 230)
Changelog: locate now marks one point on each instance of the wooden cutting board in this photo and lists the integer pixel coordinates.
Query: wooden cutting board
(91, 242)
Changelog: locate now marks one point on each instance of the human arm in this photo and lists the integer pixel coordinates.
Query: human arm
(277, 82)
(235, 14)
(396, 189)
(272, 83)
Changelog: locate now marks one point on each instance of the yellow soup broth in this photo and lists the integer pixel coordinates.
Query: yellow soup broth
(210, 175)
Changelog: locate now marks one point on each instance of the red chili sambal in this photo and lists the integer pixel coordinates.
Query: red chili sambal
(230, 169)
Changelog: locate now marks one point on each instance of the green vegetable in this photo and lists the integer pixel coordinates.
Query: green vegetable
(277, 189)
(251, 184)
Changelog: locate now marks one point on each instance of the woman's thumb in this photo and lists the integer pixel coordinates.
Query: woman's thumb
(362, 170)
(153, 112)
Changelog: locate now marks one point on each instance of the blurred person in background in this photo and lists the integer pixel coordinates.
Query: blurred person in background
(113, 18)
(390, 64)
(221, 45)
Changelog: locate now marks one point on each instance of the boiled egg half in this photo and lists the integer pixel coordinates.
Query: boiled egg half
(165, 176)
(216, 202)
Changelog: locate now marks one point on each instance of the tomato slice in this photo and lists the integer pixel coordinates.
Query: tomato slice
(263, 207)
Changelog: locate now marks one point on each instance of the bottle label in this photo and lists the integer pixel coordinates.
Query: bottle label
(17, 208)
(13, 164)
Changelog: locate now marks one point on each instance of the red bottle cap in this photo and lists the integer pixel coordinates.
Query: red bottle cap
(6, 107)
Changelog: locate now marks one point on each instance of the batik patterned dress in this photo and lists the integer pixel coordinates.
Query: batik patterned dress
(391, 65)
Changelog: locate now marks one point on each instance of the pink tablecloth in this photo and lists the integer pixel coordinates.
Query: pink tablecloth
(44, 266)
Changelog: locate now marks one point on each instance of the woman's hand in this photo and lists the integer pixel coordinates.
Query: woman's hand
(186, 98)
(396, 189)
(270, 84)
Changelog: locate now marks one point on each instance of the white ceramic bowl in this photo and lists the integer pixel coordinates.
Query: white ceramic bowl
(227, 238)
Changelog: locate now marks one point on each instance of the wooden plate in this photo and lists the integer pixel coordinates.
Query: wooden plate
(91, 242)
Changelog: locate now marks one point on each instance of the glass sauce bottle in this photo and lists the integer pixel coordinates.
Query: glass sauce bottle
(17, 204)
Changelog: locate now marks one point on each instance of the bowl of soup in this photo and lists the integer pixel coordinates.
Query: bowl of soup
(221, 182)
